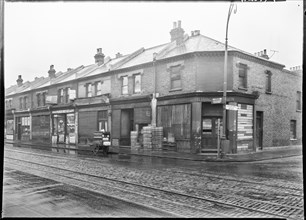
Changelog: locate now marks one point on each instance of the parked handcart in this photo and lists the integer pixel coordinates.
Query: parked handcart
(101, 142)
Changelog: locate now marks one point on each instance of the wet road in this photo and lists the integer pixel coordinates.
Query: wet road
(265, 189)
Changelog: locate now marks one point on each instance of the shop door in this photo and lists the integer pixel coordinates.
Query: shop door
(210, 132)
(127, 125)
(259, 129)
(60, 128)
(19, 129)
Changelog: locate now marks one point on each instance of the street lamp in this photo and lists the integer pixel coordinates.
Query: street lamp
(225, 68)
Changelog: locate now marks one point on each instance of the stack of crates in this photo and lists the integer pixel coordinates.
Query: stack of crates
(134, 136)
(157, 138)
(147, 137)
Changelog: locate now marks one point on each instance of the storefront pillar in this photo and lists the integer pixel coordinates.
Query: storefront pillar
(76, 118)
(232, 133)
(196, 111)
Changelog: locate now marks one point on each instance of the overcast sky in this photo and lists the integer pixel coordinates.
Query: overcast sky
(67, 34)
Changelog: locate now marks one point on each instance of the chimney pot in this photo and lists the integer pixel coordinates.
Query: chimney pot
(51, 72)
(118, 55)
(19, 80)
(174, 25)
(99, 57)
(179, 23)
(177, 34)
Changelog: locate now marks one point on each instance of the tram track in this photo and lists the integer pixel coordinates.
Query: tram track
(234, 207)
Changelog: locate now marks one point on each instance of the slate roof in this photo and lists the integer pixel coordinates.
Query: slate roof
(196, 43)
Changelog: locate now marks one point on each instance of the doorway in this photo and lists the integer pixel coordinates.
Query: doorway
(60, 128)
(210, 132)
(259, 129)
(127, 125)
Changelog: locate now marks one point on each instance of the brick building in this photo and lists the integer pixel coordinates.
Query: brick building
(173, 85)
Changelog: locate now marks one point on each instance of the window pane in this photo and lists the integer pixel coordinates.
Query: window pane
(125, 85)
(137, 83)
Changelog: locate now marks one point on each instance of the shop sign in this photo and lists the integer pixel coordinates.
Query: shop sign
(63, 111)
(216, 101)
(51, 99)
(231, 107)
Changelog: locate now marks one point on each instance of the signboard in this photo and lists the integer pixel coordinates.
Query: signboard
(231, 107)
(63, 111)
(51, 99)
(216, 101)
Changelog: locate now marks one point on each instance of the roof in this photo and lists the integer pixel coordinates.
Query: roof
(195, 43)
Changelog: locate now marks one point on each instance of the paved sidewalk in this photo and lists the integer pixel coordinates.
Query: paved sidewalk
(266, 154)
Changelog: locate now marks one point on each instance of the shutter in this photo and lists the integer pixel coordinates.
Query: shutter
(87, 123)
(142, 115)
(116, 123)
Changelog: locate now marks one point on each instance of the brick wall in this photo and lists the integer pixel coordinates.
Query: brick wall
(279, 107)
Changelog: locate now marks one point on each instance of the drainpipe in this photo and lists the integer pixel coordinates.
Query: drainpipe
(154, 101)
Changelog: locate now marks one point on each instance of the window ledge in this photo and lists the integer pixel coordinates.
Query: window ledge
(269, 93)
(243, 88)
(174, 90)
(294, 139)
(298, 110)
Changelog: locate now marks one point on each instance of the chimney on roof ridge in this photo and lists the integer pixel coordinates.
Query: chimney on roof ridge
(262, 54)
(19, 80)
(177, 33)
(99, 57)
(69, 69)
(118, 55)
(51, 72)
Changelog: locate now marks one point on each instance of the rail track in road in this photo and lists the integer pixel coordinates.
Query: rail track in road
(190, 204)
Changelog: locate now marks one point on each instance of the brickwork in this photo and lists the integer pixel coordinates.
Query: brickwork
(279, 107)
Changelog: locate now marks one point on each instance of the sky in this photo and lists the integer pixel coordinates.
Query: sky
(67, 34)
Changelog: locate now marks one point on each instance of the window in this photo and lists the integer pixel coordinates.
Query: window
(38, 99)
(293, 129)
(124, 85)
(20, 102)
(102, 120)
(67, 92)
(43, 98)
(60, 95)
(137, 83)
(175, 77)
(298, 101)
(268, 81)
(25, 102)
(88, 90)
(98, 88)
(242, 76)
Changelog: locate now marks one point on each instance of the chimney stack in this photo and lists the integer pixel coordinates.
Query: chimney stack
(262, 54)
(52, 72)
(118, 55)
(177, 33)
(99, 57)
(19, 81)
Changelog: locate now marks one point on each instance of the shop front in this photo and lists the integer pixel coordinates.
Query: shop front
(63, 126)
(9, 125)
(23, 127)
(41, 126)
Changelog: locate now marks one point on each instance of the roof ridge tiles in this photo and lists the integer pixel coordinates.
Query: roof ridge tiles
(126, 59)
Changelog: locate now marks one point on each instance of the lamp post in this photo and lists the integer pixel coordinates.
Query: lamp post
(225, 69)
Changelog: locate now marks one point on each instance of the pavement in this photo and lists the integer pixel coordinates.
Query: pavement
(265, 154)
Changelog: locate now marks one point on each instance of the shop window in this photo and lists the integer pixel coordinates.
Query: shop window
(175, 75)
(243, 76)
(60, 95)
(102, 120)
(88, 90)
(25, 128)
(98, 88)
(268, 82)
(124, 85)
(10, 127)
(298, 101)
(38, 99)
(137, 83)
(293, 129)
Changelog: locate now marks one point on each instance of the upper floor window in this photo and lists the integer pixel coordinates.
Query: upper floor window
(88, 90)
(268, 82)
(175, 77)
(8, 103)
(61, 96)
(21, 102)
(98, 88)
(293, 129)
(298, 100)
(137, 83)
(38, 97)
(243, 75)
(43, 98)
(124, 85)
(25, 102)
(67, 92)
